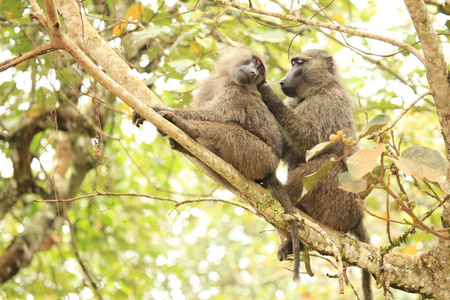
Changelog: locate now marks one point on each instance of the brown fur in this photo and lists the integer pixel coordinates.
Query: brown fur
(318, 106)
(228, 117)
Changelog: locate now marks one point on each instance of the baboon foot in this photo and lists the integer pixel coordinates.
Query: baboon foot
(181, 123)
(284, 250)
(175, 146)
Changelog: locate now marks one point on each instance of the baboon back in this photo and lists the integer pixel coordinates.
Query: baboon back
(318, 106)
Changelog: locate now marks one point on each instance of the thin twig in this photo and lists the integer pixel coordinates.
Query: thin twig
(416, 220)
(339, 28)
(80, 261)
(177, 202)
(406, 110)
(43, 49)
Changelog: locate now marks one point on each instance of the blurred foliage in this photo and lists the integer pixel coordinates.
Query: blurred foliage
(141, 248)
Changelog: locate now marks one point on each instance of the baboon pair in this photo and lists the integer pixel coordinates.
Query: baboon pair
(237, 116)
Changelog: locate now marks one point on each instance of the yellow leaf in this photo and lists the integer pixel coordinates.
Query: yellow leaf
(118, 29)
(409, 250)
(338, 17)
(36, 110)
(134, 12)
(413, 248)
(98, 224)
(194, 48)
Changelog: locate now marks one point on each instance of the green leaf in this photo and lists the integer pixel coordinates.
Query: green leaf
(374, 125)
(350, 184)
(370, 180)
(316, 150)
(270, 36)
(12, 9)
(310, 181)
(181, 65)
(181, 37)
(206, 43)
(421, 162)
(363, 161)
(150, 32)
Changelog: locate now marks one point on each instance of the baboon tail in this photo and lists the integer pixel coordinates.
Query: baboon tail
(367, 290)
(361, 233)
(276, 188)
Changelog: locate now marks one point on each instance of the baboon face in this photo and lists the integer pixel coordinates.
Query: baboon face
(248, 69)
(308, 68)
(294, 77)
(251, 71)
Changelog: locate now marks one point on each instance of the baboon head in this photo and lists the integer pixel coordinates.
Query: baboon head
(243, 66)
(309, 68)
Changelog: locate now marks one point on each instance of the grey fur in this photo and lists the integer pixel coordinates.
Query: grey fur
(228, 117)
(318, 106)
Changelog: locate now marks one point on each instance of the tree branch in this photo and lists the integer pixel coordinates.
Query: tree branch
(315, 23)
(177, 202)
(253, 192)
(400, 116)
(437, 71)
(46, 48)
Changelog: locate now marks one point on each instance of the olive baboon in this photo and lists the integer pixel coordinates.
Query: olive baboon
(318, 106)
(228, 117)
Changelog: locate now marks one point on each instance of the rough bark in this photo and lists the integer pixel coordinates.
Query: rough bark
(436, 67)
(438, 258)
(247, 189)
(80, 31)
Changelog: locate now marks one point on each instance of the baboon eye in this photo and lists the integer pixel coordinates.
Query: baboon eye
(256, 61)
(261, 70)
(297, 62)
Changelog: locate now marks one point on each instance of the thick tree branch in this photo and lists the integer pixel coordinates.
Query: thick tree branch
(437, 71)
(439, 80)
(250, 190)
(67, 119)
(80, 31)
(365, 256)
(403, 271)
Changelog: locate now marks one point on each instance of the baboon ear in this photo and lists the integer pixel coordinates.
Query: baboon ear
(330, 64)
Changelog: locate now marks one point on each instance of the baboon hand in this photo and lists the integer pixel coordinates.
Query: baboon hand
(137, 119)
(175, 146)
(264, 88)
(268, 95)
(262, 83)
(161, 110)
